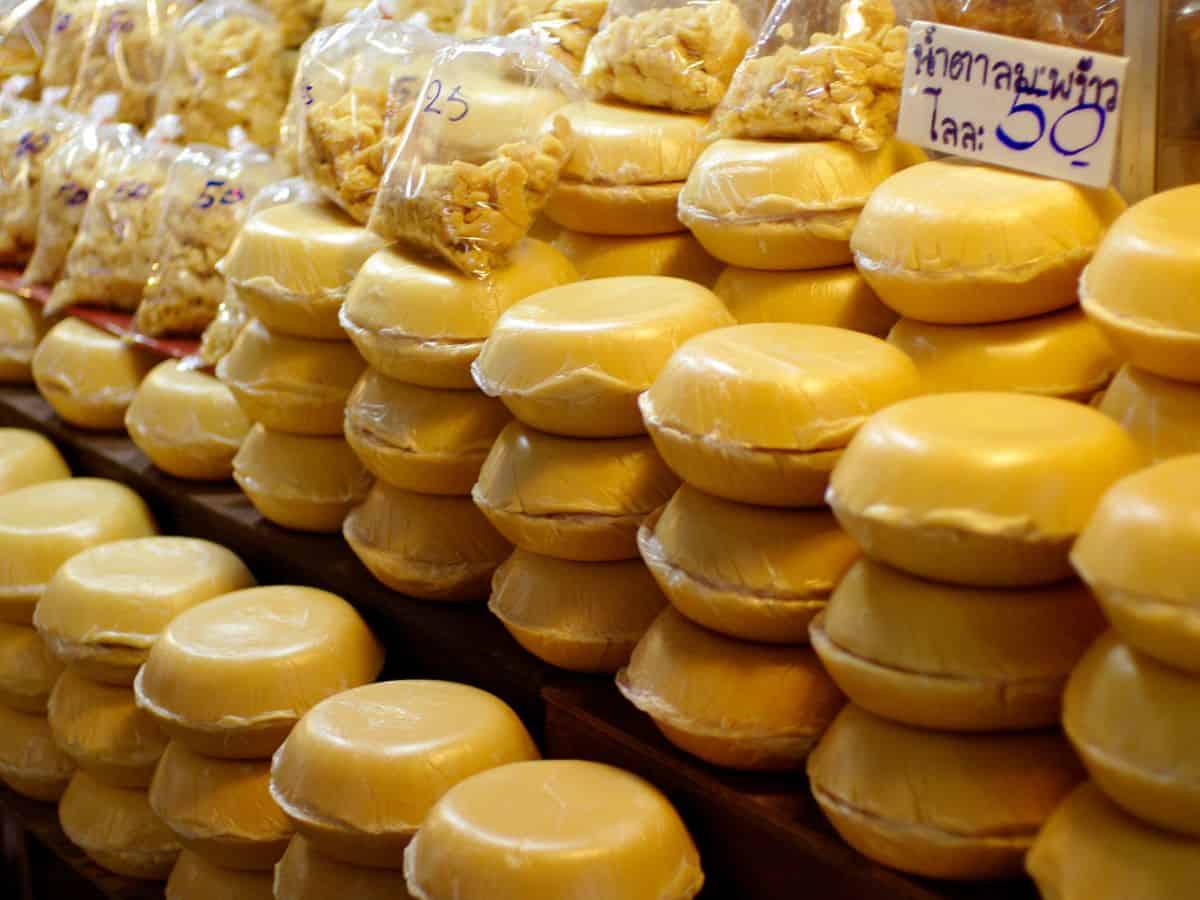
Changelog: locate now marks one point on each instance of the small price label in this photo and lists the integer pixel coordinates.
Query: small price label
(1025, 105)
(215, 191)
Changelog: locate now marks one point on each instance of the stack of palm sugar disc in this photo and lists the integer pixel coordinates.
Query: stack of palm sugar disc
(573, 479)
(955, 637)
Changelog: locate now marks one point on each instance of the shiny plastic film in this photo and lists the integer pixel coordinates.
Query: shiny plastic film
(481, 155)
(21, 327)
(24, 27)
(670, 54)
(69, 175)
(65, 42)
(29, 134)
(224, 70)
(114, 250)
(1087, 24)
(222, 332)
(123, 50)
(297, 18)
(204, 203)
(820, 71)
(355, 94)
(567, 26)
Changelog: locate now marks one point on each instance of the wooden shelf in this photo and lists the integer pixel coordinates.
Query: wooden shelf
(75, 877)
(761, 838)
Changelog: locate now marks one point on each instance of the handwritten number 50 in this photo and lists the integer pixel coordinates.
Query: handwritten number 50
(1034, 113)
(433, 93)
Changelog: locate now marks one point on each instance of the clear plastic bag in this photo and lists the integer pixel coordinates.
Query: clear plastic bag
(671, 54)
(821, 70)
(1088, 24)
(567, 26)
(24, 28)
(297, 18)
(123, 54)
(205, 200)
(481, 155)
(224, 70)
(68, 177)
(66, 42)
(117, 241)
(292, 120)
(232, 315)
(357, 94)
(29, 133)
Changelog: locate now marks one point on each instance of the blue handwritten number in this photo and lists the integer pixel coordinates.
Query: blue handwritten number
(229, 197)
(63, 23)
(435, 87)
(120, 21)
(1017, 109)
(457, 97)
(128, 190)
(75, 195)
(403, 86)
(309, 99)
(1101, 122)
(32, 144)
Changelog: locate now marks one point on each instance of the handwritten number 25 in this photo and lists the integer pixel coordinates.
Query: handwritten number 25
(433, 93)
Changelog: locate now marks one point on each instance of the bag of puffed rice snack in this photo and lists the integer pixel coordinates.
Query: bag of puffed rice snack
(68, 176)
(24, 29)
(821, 70)
(355, 97)
(205, 199)
(224, 69)
(123, 53)
(670, 54)
(117, 242)
(482, 153)
(29, 133)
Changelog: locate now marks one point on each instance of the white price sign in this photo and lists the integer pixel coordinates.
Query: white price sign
(1022, 104)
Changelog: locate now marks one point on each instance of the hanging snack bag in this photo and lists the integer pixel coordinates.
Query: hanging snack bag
(117, 241)
(123, 54)
(357, 95)
(567, 26)
(29, 133)
(297, 18)
(481, 154)
(66, 42)
(670, 54)
(292, 120)
(821, 70)
(205, 200)
(24, 28)
(68, 177)
(224, 70)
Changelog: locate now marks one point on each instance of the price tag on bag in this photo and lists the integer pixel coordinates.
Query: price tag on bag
(1026, 105)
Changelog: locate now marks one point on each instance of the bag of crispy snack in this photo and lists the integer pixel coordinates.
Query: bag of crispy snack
(481, 154)
(567, 26)
(123, 54)
(356, 94)
(207, 194)
(224, 70)
(297, 18)
(66, 42)
(118, 238)
(670, 54)
(68, 176)
(29, 133)
(24, 29)
(1087, 24)
(821, 70)
(232, 315)
(334, 11)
